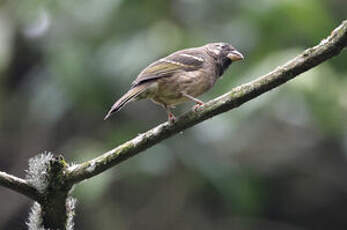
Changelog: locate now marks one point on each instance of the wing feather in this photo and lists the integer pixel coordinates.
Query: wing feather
(185, 60)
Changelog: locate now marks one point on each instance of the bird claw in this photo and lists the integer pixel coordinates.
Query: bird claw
(198, 106)
(172, 118)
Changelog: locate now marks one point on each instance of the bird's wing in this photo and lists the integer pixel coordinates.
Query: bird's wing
(185, 60)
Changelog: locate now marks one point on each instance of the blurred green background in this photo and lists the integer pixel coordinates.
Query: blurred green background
(277, 162)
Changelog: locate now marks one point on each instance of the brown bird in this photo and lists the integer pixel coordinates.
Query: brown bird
(180, 77)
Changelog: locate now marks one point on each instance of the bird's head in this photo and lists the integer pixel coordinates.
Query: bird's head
(224, 50)
(224, 54)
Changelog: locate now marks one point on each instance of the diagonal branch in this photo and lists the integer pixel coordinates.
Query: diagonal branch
(19, 185)
(328, 48)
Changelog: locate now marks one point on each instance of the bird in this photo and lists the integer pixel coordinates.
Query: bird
(180, 77)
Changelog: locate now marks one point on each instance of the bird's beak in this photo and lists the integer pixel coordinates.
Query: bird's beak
(235, 55)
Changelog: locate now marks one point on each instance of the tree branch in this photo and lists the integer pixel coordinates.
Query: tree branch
(19, 185)
(329, 47)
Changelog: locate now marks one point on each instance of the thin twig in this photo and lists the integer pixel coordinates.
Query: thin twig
(19, 185)
(310, 58)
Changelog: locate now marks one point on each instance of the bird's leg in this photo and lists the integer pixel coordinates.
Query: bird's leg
(171, 116)
(197, 101)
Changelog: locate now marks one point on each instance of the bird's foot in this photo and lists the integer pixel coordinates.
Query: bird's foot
(198, 105)
(172, 118)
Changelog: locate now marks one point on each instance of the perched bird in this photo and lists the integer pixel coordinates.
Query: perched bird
(180, 77)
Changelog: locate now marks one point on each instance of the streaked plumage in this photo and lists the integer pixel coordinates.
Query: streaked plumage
(181, 76)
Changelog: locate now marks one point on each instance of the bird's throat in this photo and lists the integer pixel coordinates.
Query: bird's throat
(223, 65)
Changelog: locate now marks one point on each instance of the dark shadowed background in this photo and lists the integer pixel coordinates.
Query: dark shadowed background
(277, 162)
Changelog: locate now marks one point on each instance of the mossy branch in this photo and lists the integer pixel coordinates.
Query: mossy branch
(19, 185)
(328, 48)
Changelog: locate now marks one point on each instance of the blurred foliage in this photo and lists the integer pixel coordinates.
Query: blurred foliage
(278, 162)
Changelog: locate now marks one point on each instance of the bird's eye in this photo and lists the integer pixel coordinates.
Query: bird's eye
(222, 46)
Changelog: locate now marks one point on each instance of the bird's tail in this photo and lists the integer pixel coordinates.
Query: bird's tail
(131, 94)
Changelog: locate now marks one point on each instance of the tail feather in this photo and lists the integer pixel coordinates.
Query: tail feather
(131, 94)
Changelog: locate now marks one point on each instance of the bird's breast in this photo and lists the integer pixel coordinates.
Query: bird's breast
(193, 83)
